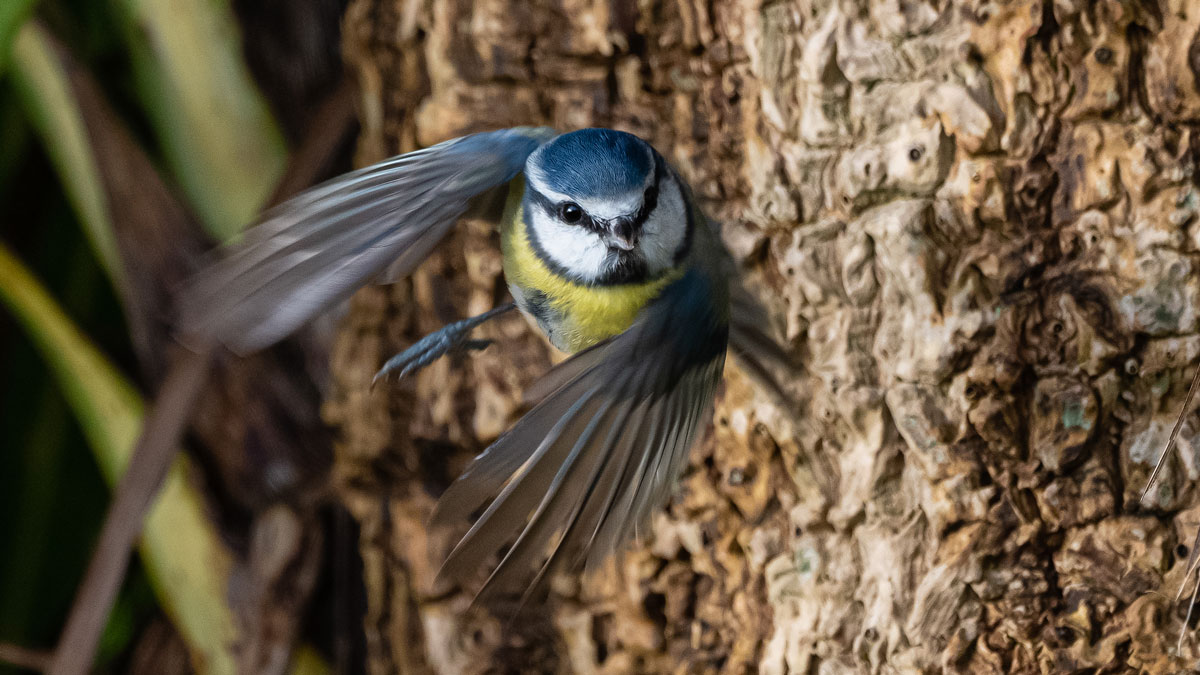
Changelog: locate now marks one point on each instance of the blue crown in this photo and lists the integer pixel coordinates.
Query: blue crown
(596, 163)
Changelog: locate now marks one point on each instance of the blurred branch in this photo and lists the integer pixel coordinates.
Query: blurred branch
(158, 246)
(22, 657)
(136, 490)
(217, 135)
(185, 558)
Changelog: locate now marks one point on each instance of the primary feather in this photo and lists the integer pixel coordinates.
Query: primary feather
(318, 248)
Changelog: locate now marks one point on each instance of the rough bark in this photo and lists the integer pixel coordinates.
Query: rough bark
(978, 220)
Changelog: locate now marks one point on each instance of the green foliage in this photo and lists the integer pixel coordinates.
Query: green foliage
(174, 69)
(45, 93)
(52, 496)
(184, 555)
(12, 15)
(216, 132)
(108, 407)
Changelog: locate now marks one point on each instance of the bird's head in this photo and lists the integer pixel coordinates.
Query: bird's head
(604, 207)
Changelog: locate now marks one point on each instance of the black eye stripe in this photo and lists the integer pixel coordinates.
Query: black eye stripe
(551, 209)
(649, 203)
(650, 198)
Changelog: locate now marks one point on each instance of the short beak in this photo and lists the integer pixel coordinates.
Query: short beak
(621, 235)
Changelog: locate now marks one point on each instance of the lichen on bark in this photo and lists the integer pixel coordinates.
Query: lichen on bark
(976, 223)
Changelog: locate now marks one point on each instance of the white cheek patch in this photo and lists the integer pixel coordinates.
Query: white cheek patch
(664, 231)
(571, 247)
(585, 254)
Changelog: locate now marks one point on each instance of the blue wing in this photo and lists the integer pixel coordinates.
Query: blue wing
(575, 476)
(316, 249)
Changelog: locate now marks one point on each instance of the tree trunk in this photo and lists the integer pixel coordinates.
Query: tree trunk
(976, 222)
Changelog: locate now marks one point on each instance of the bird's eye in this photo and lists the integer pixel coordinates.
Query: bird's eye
(570, 212)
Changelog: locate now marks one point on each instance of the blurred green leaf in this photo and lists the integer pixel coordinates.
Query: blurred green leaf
(186, 561)
(217, 135)
(306, 661)
(13, 13)
(108, 407)
(45, 93)
(51, 494)
(183, 555)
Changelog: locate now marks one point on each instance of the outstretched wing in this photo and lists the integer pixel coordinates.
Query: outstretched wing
(753, 346)
(316, 249)
(580, 471)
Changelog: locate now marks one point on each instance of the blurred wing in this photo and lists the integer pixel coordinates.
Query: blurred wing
(753, 347)
(585, 467)
(751, 341)
(316, 249)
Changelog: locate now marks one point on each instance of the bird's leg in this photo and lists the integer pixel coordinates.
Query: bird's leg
(435, 345)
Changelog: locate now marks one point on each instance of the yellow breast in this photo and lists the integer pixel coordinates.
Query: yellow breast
(588, 314)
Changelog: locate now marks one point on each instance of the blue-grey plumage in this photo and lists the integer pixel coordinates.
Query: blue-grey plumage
(602, 164)
(604, 248)
(314, 250)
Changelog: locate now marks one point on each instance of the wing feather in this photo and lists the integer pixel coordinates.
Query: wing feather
(506, 514)
(617, 523)
(316, 249)
(753, 347)
(610, 483)
(488, 473)
(569, 491)
(624, 415)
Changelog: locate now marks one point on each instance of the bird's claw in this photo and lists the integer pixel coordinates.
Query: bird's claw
(430, 348)
(420, 355)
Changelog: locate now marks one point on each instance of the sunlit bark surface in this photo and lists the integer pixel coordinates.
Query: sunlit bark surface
(976, 222)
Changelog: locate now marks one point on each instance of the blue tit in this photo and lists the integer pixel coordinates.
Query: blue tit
(605, 251)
